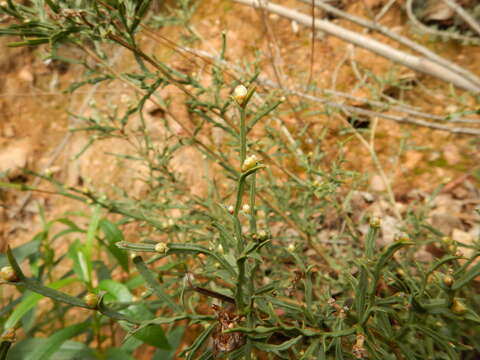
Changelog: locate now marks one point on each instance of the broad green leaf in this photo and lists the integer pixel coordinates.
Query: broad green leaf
(153, 335)
(90, 238)
(118, 354)
(115, 290)
(174, 338)
(74, 350)
(112, 236)
(70, 350)
(76, 252)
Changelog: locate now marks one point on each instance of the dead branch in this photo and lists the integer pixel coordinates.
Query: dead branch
(402, 119)
(416, 63)
(426, 29)
(464, 15)
(399, 38)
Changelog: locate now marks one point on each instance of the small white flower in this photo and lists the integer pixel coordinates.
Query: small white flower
(239, 94)
(161, 247)
(231, 209)
(246, 208)
(291, 247)
(249, 163)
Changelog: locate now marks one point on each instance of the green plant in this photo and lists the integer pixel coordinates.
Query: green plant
(280, 291)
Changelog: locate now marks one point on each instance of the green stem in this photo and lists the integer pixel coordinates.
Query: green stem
(240, 283)
(252, 217)
(243, 136)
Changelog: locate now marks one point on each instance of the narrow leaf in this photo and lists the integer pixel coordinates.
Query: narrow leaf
(56, 340)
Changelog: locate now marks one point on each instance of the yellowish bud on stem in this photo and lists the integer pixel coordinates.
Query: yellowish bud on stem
(448, 280)
(249, 163)
(8, 274)
(458, 307)
(375, 222)
(239, 94)
(161, 247)
(91, 300)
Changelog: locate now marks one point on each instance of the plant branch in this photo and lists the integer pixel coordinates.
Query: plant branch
(464, 15)
(399, 38)
(416, 63)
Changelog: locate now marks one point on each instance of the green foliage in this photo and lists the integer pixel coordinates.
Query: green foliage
(281, 290)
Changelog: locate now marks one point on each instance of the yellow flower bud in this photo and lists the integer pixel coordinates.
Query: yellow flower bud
(448, 280)
(249, 163)
(375, 222)
(8, 274)
(91, 300)
(458, 307)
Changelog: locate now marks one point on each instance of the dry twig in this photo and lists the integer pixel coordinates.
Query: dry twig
(402, 119)
(399, 38)
(428, 30)
(416, 63)
(464, 15)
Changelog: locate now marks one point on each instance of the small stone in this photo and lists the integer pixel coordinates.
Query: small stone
(26, 75)
(452, 154)
(14, 157)
(377, 184)
(9, 131)
(295, 27)
(462, 237)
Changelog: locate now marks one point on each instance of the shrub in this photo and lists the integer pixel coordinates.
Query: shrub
(249, 245)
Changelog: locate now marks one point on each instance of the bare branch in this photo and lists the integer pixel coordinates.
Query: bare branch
(464, 15)
(426, 29)
(414, 62)
(403, 119)
(399, 38)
